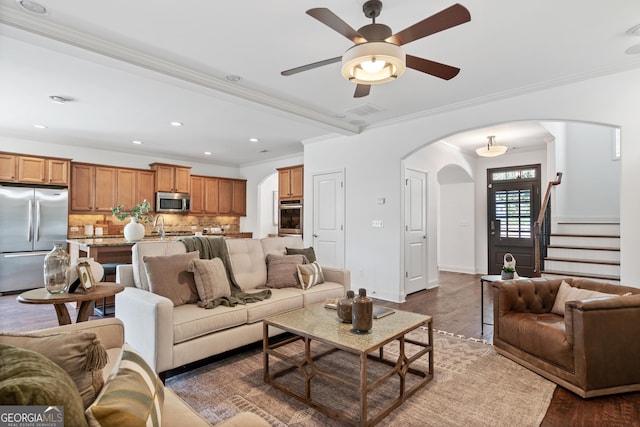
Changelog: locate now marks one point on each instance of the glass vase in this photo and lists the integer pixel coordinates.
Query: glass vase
(56, 270)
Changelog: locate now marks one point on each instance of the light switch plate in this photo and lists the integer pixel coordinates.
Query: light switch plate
(377, 223)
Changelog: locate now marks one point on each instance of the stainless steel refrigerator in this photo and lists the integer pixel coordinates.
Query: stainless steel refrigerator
(31, 221)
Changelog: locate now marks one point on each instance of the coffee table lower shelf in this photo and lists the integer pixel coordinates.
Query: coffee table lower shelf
(410, 378)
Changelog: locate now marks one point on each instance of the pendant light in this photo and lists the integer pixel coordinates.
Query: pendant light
(492, 150)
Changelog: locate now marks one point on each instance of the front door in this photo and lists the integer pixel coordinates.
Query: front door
(513, 201)
(415, 231)
(328, 219)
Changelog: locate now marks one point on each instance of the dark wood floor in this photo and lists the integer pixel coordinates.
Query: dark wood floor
(455, 307)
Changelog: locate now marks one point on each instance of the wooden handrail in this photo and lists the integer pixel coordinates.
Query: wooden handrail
(536, 225)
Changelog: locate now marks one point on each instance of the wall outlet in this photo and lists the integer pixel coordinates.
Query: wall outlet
(74, 228)
(194, 227)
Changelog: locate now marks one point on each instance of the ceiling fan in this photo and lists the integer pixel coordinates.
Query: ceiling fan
(376, 56)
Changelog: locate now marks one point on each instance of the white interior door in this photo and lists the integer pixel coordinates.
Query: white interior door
(328, 219)
(415, 223)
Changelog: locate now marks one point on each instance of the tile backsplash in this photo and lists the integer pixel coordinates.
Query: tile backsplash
(111, 226)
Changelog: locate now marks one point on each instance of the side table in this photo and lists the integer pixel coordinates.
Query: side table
(488, 278)
(86, 300)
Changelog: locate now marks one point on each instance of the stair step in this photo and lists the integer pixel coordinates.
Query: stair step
(590, 241)
(582, 253)
(612, 278)
(609, 228)
(589, 248)
(589, 267)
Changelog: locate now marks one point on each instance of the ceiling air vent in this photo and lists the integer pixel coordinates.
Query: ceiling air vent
(364, 110)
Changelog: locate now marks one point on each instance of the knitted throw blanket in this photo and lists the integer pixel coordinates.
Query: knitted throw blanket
(215, 247)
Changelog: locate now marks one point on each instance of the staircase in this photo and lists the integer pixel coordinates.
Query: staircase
(584, 250)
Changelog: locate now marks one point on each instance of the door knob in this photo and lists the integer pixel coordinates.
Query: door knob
(315, 235)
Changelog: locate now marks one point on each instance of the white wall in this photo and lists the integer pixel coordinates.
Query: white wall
(373, 164)
(266, 205)
(456, 230)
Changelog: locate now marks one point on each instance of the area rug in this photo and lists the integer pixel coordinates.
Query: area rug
(472, 386)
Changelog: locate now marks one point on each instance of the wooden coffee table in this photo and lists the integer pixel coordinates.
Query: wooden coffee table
(320, 324)
(86, 299)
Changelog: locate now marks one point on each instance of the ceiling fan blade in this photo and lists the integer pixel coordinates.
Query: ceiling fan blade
(446, 72)
(311, 66)
(447, 18)
(362, 90)
(332, 20)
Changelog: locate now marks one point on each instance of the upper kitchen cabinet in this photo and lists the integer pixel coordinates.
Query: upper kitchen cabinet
(291, 182)
(34, 170)
(134, 186)
(232, 194)
(172, 178)
(197, 194)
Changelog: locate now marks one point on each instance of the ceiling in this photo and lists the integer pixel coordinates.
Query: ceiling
(130, 68)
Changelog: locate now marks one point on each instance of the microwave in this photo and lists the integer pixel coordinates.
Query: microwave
(173, 202)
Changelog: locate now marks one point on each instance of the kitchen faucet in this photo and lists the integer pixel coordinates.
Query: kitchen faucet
(155, 224)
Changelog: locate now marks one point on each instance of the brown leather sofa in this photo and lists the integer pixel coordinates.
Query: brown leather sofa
(593, 350)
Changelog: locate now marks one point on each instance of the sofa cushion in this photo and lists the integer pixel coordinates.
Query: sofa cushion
(142, 249)
(308, 252)
(168, 276)
(567, 292)
(309, 274)
(282, 300)
(132, 396)
(247, 263)
(191, 321)
(211, 278)
(279, 245)
(29, 378)
(80, 354)
(282, 270)
(320, 293)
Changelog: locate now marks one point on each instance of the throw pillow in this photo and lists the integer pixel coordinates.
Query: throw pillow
(168, 276)
(310, 274)
(308, 252)
(29, 378)
(132, 396)
(80, 354)
(282, 271)
(211, 278)
(567, 292)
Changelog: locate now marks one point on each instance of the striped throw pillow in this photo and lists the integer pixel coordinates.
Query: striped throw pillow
(132, 396)
(310, 274)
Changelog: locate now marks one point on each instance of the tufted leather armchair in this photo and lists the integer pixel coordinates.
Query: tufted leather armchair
(593, 350)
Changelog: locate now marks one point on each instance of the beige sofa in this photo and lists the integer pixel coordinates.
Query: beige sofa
(175, 412)
(169, 337)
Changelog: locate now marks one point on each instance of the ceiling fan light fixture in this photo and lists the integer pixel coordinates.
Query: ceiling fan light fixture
(373, 63)
(492, 150)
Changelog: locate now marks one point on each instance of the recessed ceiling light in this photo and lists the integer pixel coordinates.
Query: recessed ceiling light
(233, 78)
(176, 124)
(263, 151)
(254, 140)
(40, 126)
(207, 153)
(341, 116)
(33, 7)
(137, 142)
(59, 99)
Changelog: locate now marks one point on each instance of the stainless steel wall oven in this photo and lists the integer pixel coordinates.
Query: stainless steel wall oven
(290, 217)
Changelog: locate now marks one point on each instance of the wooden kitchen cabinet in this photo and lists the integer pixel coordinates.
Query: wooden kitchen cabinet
(145, 187)
(97, 188)
(134, 186)
(232, 196)
(82, 187)
(106, 189)
(197, 194)
(211, 195)
(291, 182)
(34, 170)
(171, 178)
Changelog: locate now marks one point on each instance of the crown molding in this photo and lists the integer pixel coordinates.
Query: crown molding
(134, 57)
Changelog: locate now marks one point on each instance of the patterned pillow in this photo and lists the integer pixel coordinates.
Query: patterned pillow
(168, 277)
(132, 396)
(282, 271)
(211, 278)
(80, 354)
(310, 274)
(29, 378)
(308, 252)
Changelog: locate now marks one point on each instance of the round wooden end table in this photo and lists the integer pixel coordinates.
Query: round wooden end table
(86, 299)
